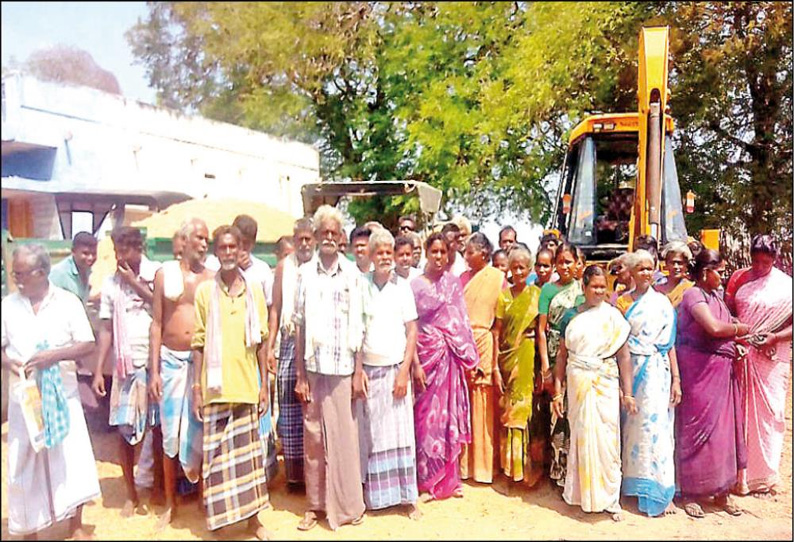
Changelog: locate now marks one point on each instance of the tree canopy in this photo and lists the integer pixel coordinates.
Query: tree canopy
(67, 64)
(478, 98)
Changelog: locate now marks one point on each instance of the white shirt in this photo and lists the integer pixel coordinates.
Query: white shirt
(413, 272)
(459, 267)
(61, 321)
(138, 313)
(386, 311)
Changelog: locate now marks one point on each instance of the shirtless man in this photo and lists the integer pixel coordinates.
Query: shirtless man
(170, 335)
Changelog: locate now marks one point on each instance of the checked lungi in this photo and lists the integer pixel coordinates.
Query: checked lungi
(386, 441)
(182, 431)
(235, 487)
(129, 406)
(290, 414)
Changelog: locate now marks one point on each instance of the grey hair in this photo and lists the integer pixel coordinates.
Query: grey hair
(302, 224)
(189, 226)
(380, 236)
(676, 247)
(40, 254)
(520, 252)
(326, 212)
(413, 236)
(638, 256)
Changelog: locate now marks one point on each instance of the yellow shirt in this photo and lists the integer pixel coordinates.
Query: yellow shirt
(239, 365)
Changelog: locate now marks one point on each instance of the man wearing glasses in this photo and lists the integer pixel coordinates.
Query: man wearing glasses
(406, 224)
(43, 328)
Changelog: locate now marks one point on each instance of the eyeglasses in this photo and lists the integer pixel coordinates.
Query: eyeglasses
(24, 274)
(406, 228)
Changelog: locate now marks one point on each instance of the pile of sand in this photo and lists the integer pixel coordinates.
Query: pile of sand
(215, 212)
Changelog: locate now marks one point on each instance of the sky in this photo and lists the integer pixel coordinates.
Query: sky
(96, 27)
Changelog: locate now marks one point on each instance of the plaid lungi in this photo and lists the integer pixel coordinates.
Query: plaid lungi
(290, 414)
(386, 441)
(182, 431)
(129, 406)
(235, 486)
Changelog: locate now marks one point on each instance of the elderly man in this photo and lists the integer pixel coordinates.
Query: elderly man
(125, 317)
(43, 328)
(507, 238)
(282, 330)
(72, 273)
(329, 327)
(173, 321)
(229, 363)
(381, 383)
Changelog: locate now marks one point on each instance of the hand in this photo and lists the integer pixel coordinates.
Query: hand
(401, 385)
(499, 383)
(264, 400)
(557, 406)
(125, 272)
(675, 392)
(302, 391)
(763, 340)
(98, 385)
(360, 385)
(742, 329)
(155, 387)
(420, 379)
(272, 363)
(198, 404)
(15, 366)
(40, 360)
(628, 402)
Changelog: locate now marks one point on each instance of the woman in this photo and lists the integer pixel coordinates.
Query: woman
(677, 256)
(710, 447)
(446, 350)
(623, 281)
(516, 314)
(594, 379)
(761, 296)
(648, 460)
(556, 298)
(482, 285)
(499, 261)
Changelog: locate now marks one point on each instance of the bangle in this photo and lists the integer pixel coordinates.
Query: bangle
(558, 396)
(735, 329)
(625, 396)
(196, 386)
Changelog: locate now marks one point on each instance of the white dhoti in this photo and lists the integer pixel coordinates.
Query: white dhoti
(48, 486)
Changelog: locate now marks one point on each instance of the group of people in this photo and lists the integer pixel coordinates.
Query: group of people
(401, 373)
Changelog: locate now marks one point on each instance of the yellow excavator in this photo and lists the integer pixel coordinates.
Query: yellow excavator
(619, 178)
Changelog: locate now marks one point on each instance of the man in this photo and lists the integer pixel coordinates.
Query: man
(125, 315)
(43, 328)
(384, 409)
(72, 273)
(284, 247)
(229, 361)
(177, 245)
(507, 238)
(406, 224)
(359, 240)
(403, 259)
(457, 265)
(258, 272)
(416, 248)
(173, 320)
(282, 331)
(329, 326)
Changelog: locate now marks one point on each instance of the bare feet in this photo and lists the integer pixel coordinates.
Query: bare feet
(359, 520)
(81, 534)
(458, 493)
(726, 503)
(413, 512)
(670, 510)
(129, 508)
(426, 497)
(258, 530)
(165, 520)
(617, 517)
(764, 494)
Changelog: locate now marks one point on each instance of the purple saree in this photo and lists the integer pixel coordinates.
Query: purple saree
(446, 348)
(710, 447)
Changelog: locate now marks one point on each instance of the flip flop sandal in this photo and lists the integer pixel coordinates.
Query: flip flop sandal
(359, 520)
(694, 510)
(732, 509)
(307, 524)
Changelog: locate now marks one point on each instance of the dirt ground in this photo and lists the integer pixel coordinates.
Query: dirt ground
(498, 512)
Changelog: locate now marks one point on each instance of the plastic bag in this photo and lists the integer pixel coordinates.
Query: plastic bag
(27, 394)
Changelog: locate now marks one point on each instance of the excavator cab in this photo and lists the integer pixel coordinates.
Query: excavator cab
(619, 178)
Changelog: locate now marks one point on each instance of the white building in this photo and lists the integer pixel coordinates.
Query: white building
(69, 150)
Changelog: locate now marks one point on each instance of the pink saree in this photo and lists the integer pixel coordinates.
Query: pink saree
(765, 305)
(446, 349)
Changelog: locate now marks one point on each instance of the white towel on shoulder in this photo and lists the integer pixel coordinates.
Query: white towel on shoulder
(173, 284)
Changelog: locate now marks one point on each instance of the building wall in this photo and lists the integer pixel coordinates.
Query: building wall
(103, 140)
